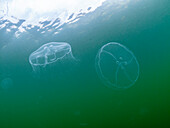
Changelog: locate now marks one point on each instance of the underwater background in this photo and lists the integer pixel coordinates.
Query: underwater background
(71, 95)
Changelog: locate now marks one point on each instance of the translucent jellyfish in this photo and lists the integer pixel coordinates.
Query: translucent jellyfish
(6, 83)
(50, 54)
(117, 66)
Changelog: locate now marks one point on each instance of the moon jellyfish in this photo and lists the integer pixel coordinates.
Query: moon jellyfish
(6, 83)
(116, 66)
(52, 57)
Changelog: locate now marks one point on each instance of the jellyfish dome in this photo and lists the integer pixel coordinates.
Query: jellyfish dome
(50, 54)
(116, 66)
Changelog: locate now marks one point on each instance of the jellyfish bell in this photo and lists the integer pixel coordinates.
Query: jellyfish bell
(53, 57)
(116, 66)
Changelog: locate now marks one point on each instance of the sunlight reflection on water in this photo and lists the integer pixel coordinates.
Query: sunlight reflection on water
(44, 16)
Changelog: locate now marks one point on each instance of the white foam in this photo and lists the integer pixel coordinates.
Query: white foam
(34, 11)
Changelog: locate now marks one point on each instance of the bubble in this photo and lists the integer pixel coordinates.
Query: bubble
(50, 54)
(116, 66)
(6, 83)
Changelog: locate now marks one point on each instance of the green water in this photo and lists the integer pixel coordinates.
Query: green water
(77, 98)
